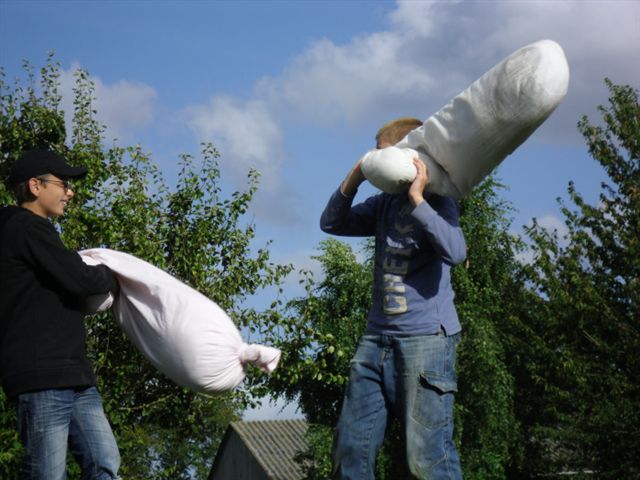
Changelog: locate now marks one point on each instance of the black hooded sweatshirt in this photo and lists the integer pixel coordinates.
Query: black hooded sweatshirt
(42, 288)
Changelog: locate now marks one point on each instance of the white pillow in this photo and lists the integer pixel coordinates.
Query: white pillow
(184, 334)
(390, 169)
(477, 129)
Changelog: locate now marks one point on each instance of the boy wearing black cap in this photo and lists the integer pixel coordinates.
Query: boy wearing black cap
(43, 362)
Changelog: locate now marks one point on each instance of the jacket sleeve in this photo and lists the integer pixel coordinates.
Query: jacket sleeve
(439, 219)
(340, 218)
(64, 267)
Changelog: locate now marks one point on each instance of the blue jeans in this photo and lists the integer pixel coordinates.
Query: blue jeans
(413, 379)
(49, 420)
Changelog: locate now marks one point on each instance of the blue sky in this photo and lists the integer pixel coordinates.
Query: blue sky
(297, 89)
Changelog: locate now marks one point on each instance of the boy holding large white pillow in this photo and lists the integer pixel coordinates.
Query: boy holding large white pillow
(405, 363)
(44, 367)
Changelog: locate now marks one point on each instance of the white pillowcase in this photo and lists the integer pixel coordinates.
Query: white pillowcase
(184, 334)
(471, 135)
(390, 169)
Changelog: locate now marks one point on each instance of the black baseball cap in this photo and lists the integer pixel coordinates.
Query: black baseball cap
(33, 163)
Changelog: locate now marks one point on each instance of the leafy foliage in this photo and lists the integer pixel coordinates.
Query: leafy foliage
(193, 232)
(590, 284)
(486, 297)
(320, 338)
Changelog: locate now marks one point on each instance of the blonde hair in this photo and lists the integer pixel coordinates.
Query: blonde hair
(396, 130)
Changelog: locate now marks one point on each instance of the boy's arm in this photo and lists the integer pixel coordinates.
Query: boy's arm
(340, 218)
(349, 186)
(439, 219)
(64, 267)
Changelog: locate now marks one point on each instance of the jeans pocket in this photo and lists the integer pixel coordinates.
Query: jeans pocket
(433, 404)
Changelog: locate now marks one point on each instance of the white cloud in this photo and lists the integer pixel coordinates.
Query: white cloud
(124, 107)
(525, 257)
(248, 138)
(552, 223)
(332, 83)
(416, 18)
(434, 50)
(302, 260)
(247, 135)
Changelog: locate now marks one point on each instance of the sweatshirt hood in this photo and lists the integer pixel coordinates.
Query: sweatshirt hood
(7, 213)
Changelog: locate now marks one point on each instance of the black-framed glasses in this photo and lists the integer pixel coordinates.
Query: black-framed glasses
(65, 184)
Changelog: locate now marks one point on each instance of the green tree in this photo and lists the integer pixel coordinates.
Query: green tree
(589, 282)
(192, 231)
(487, 297)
